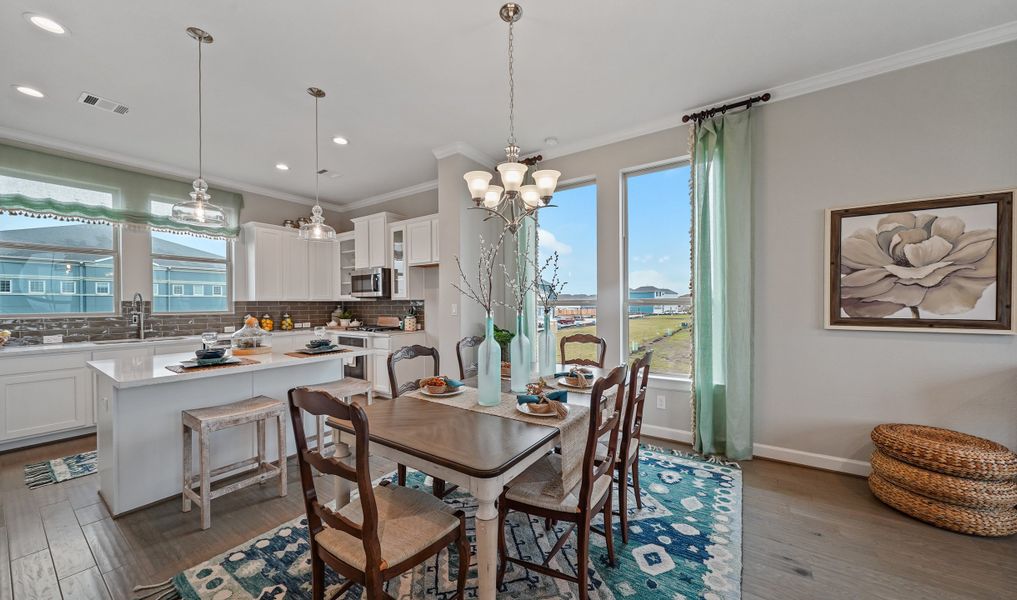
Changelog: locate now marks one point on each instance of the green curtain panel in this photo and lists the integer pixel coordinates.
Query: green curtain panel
(722, 283)
(37, 183)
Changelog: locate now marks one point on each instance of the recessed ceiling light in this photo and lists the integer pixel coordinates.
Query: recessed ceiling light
(551, 141)
(46, 24)
(282, 166)
(29, 91)
(340, 140)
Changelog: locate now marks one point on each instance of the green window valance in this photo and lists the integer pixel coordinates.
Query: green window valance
(37, 183)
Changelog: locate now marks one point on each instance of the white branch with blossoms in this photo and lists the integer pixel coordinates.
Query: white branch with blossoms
(483, 291)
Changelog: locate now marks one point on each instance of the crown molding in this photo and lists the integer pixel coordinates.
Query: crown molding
(970, 42)
(465, 149)
(394, 194)
(156, 168)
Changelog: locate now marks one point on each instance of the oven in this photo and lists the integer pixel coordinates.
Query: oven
(359, 367)
(372, 283)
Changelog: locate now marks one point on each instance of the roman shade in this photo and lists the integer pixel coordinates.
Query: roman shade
(41, 184)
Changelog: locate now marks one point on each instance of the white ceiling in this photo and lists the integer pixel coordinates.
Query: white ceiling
(402, 81)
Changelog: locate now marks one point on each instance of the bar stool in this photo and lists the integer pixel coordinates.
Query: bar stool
(344, 389)
(214, 418)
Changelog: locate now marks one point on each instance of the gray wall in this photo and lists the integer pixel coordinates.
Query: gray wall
(941, 128)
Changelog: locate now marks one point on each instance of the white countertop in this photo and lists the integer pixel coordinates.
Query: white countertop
(151, 370)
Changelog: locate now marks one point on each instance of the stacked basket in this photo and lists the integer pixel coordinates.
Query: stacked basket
(952, 480)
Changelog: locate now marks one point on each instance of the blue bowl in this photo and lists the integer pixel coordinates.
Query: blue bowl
(210, 353)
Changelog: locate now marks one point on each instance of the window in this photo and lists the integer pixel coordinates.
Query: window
(50, 264)
(659, 271)
(5, 286)
(183, 268)
(571, 231)
(102, 288)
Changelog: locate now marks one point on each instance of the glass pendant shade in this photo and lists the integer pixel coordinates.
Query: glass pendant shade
(492, 197)
(478, 181)
(512, 174)
(546, 181)
(317, 230)
(198, 210)
(530, 195)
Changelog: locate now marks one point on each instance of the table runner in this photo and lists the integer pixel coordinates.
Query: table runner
(572, 438)
(182, 369)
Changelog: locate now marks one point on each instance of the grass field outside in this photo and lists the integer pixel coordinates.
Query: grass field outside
(665, 334)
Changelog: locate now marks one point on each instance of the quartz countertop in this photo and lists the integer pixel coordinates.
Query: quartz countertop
(140, 371)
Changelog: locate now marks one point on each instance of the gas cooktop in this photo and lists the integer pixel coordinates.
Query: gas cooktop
(373, 328)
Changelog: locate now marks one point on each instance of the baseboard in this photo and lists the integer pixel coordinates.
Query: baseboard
(788, 455)
(48, 438)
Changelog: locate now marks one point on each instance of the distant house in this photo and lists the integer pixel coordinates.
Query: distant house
(648, 292)
(40, 282)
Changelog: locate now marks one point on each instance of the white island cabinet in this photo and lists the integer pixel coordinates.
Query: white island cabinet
(138, 425)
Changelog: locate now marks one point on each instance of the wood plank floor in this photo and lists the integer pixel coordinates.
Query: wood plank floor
(807, 535)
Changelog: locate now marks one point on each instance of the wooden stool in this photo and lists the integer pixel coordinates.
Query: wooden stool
(205, 421)
(344, 389)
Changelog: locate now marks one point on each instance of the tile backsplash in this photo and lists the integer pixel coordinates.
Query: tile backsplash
(85, 329)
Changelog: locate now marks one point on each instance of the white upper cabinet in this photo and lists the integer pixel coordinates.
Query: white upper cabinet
(370, 236)
(262, 246)
(422, 242)
(346, 251)
(280, 266)
(321, 261)
(295, 268)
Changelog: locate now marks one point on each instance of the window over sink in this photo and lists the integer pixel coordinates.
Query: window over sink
(190, 274)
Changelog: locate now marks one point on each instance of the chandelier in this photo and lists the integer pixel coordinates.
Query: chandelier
(317, 230)
(512, 201)
(199, 210)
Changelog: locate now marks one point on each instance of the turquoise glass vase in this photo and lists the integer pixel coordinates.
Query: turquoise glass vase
(519, 355)
(489, 367)
(546, 349)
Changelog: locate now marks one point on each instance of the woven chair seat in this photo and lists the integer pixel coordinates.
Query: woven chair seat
(529, 487)
(409, 521)
(972, 493)
(973, 521)
(946, 451)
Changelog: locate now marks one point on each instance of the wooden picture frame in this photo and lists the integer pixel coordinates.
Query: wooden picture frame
(949, 265)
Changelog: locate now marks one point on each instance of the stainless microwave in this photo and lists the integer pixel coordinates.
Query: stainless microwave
(375, 282)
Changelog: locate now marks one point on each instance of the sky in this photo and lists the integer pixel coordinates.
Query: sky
(658, 221)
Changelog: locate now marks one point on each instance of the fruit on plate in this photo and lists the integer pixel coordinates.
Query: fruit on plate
(434, 385)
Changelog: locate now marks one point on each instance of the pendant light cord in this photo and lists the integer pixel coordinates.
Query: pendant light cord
(200, 158)
(512, 85)
(316, 168)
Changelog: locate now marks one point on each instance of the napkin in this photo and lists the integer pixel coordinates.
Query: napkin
(453, 383)
(559, 395)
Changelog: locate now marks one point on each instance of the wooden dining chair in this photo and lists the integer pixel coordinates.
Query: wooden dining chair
(627, 457)
(584, 338)
(384, 532)
(471, 341)
(410, 353)
(526, 493)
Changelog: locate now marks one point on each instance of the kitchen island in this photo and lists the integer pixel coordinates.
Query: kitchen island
(138, 426)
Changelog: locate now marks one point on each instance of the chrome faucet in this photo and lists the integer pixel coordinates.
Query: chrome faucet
(138, 314)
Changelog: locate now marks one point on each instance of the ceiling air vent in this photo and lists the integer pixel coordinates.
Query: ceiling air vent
(103, 103)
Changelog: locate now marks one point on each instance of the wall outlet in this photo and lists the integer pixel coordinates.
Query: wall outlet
(661, 401)
(229, 329)
(305, 325)
(455, 309)
(52, 339)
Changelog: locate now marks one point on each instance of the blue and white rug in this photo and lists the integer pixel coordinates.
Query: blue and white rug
(53, 471)
(685, 543)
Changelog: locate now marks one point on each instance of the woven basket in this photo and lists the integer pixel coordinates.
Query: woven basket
(971, 493)
(987, 523)
(946, 451)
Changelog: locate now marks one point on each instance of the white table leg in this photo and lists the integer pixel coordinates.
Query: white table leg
(487, 538)
(342, 487)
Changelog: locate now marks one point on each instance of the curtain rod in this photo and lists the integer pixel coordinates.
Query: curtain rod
(709, 112)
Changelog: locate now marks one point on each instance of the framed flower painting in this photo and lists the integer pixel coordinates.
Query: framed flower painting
(945, 264)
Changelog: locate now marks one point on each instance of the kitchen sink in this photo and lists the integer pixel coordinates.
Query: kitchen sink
(136, 340)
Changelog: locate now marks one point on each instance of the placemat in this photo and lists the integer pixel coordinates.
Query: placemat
(302, 355)
(573, 430)
(180, 369)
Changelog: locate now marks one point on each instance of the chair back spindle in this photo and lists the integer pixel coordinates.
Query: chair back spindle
(599, 427)
(471, 341)
(639, 377)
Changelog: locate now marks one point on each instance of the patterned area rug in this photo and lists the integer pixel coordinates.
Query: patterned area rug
(685, 543)
(60, 469)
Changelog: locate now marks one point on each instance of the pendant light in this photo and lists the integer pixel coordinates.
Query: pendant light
(199, 210)
(317, 230)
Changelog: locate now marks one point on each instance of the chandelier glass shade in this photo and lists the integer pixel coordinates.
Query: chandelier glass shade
(515, 199)
(316, 230)
(199, 210)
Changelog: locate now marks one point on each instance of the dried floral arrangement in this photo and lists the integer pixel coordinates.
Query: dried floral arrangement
(481, 290)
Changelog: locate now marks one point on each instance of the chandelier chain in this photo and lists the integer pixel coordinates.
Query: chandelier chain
(512, 85)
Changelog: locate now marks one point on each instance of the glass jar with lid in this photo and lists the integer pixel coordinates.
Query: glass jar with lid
(251, 339)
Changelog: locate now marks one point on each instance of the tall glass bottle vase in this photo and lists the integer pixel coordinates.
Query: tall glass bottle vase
(489, 367)
(519, 355)
(546, 349)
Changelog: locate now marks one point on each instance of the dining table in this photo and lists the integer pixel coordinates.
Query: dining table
(478, 451)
